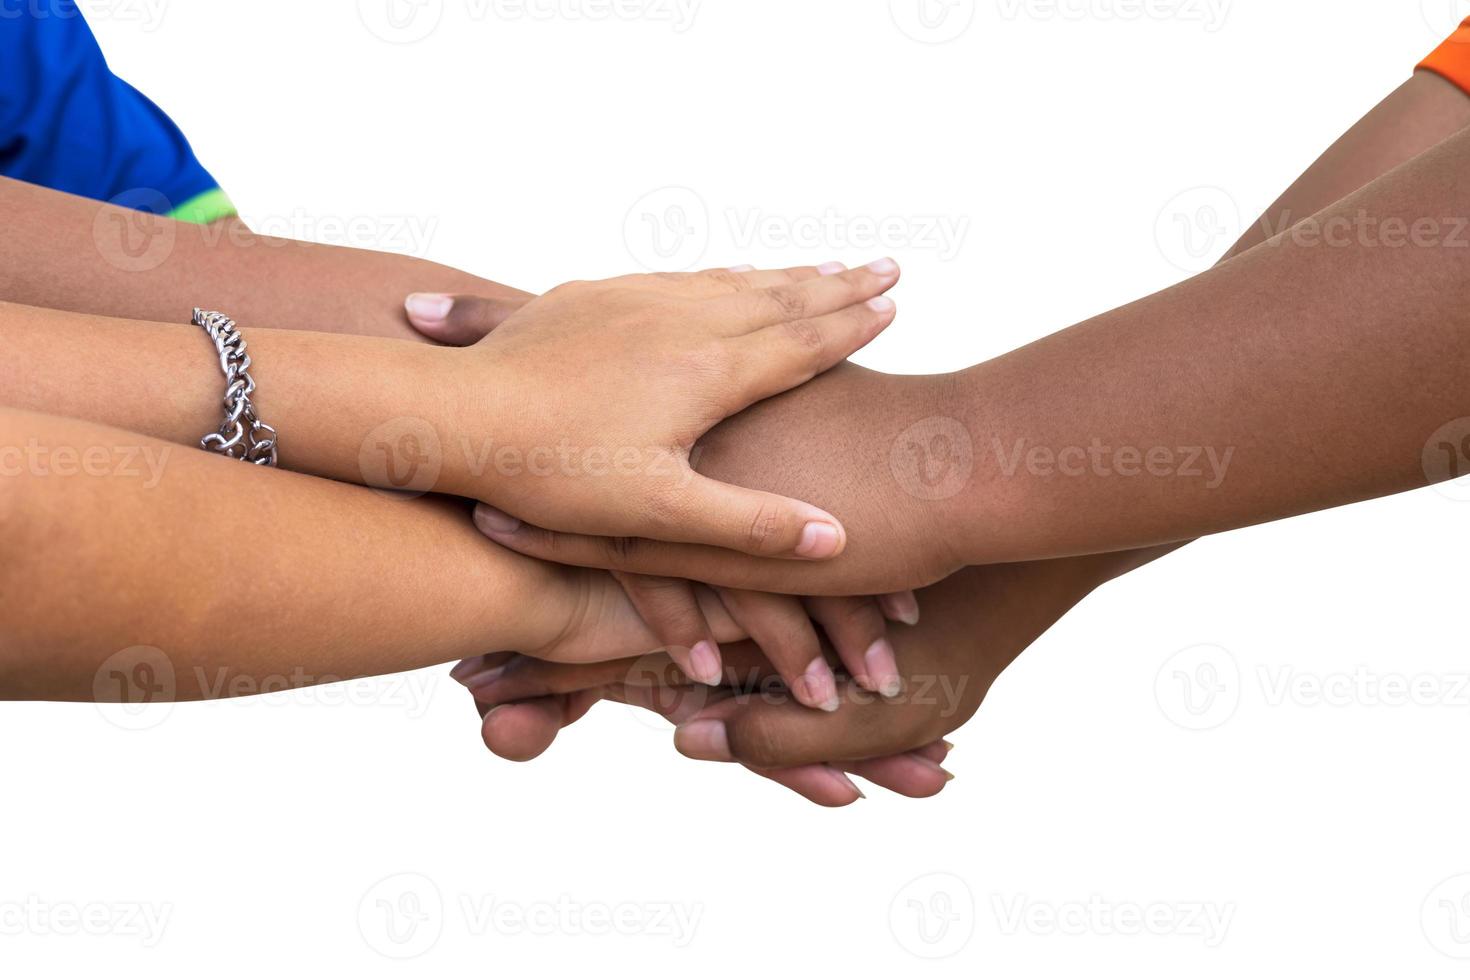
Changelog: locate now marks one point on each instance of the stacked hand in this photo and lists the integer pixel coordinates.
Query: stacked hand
(814, 443)
(888, 702)
(650, 364)
(975, 623)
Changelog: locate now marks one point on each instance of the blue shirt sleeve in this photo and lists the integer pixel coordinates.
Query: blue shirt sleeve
(67, 122)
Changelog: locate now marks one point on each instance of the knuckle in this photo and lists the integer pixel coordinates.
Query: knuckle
(733, 281)
(859, 616)
(544, 542)
(806, 334)
(622, 550)
(757, 745)
(763, 534)
(791, 301)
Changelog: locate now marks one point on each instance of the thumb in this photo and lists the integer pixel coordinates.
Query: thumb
(460, 320)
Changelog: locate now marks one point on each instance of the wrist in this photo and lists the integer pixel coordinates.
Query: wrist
(477, 416)
(999, 512)
(424, 424)
(934, 458)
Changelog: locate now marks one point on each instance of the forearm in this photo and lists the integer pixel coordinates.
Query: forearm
(1413, 118)
(70, 253)
(326, 394)
(917, 487)
(1299, 376)
(1416, 116)
(111, 540)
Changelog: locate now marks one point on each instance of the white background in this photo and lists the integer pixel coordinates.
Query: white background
(273, 835)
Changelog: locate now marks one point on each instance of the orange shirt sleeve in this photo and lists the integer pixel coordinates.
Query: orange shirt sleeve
(1452, 58)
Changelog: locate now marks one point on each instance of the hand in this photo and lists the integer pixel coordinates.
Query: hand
(521, 730)
(460, 320)
(975, 623)
(785, 629)
(583, 615)
(602, 389)
(846, 438)
(779, 623)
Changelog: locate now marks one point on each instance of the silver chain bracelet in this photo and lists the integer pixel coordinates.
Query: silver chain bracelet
(242, 435)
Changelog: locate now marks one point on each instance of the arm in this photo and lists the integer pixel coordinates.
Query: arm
(1297, 376)
(534, 700)
(69, 253)
(582, 407)
(110, 540)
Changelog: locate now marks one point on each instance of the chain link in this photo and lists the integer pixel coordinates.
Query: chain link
(242, 435)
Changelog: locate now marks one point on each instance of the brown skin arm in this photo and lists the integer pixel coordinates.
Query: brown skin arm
(236, 573)
(979, 618)
(71, 253)
(1414, 117)
(1307, 373)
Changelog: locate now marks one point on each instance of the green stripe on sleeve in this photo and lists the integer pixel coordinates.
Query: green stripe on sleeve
(201, 209)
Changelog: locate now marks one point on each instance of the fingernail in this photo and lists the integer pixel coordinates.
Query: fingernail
(705, 661)
(818, 540)
(742, 268)
(482, 680)
(493, 521)
(901, 607)
(933, 765)
(948, 745)
(880, 304)
(849, 783)
(883, 668)
(883, 267)
(703, 740)
(817, 687)
(428, 307)
(831, 268)
(465, 668)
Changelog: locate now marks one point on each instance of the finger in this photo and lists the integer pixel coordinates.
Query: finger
(476, 671)
(901, 607)
(771, 735)
(714, 283)
(914, 774)
(749, 277)
(676, 704)
(822, 784)
(704, 512)
(781, 628)
(856, 630)
(746, 668)
(753, 522)
(523, 730)
(787, 355)
(460, 320)
(708, 563)
(578, 704)
(908, 774)
(751, 310)
(669, 607)
(936, 751)
(526, 678)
